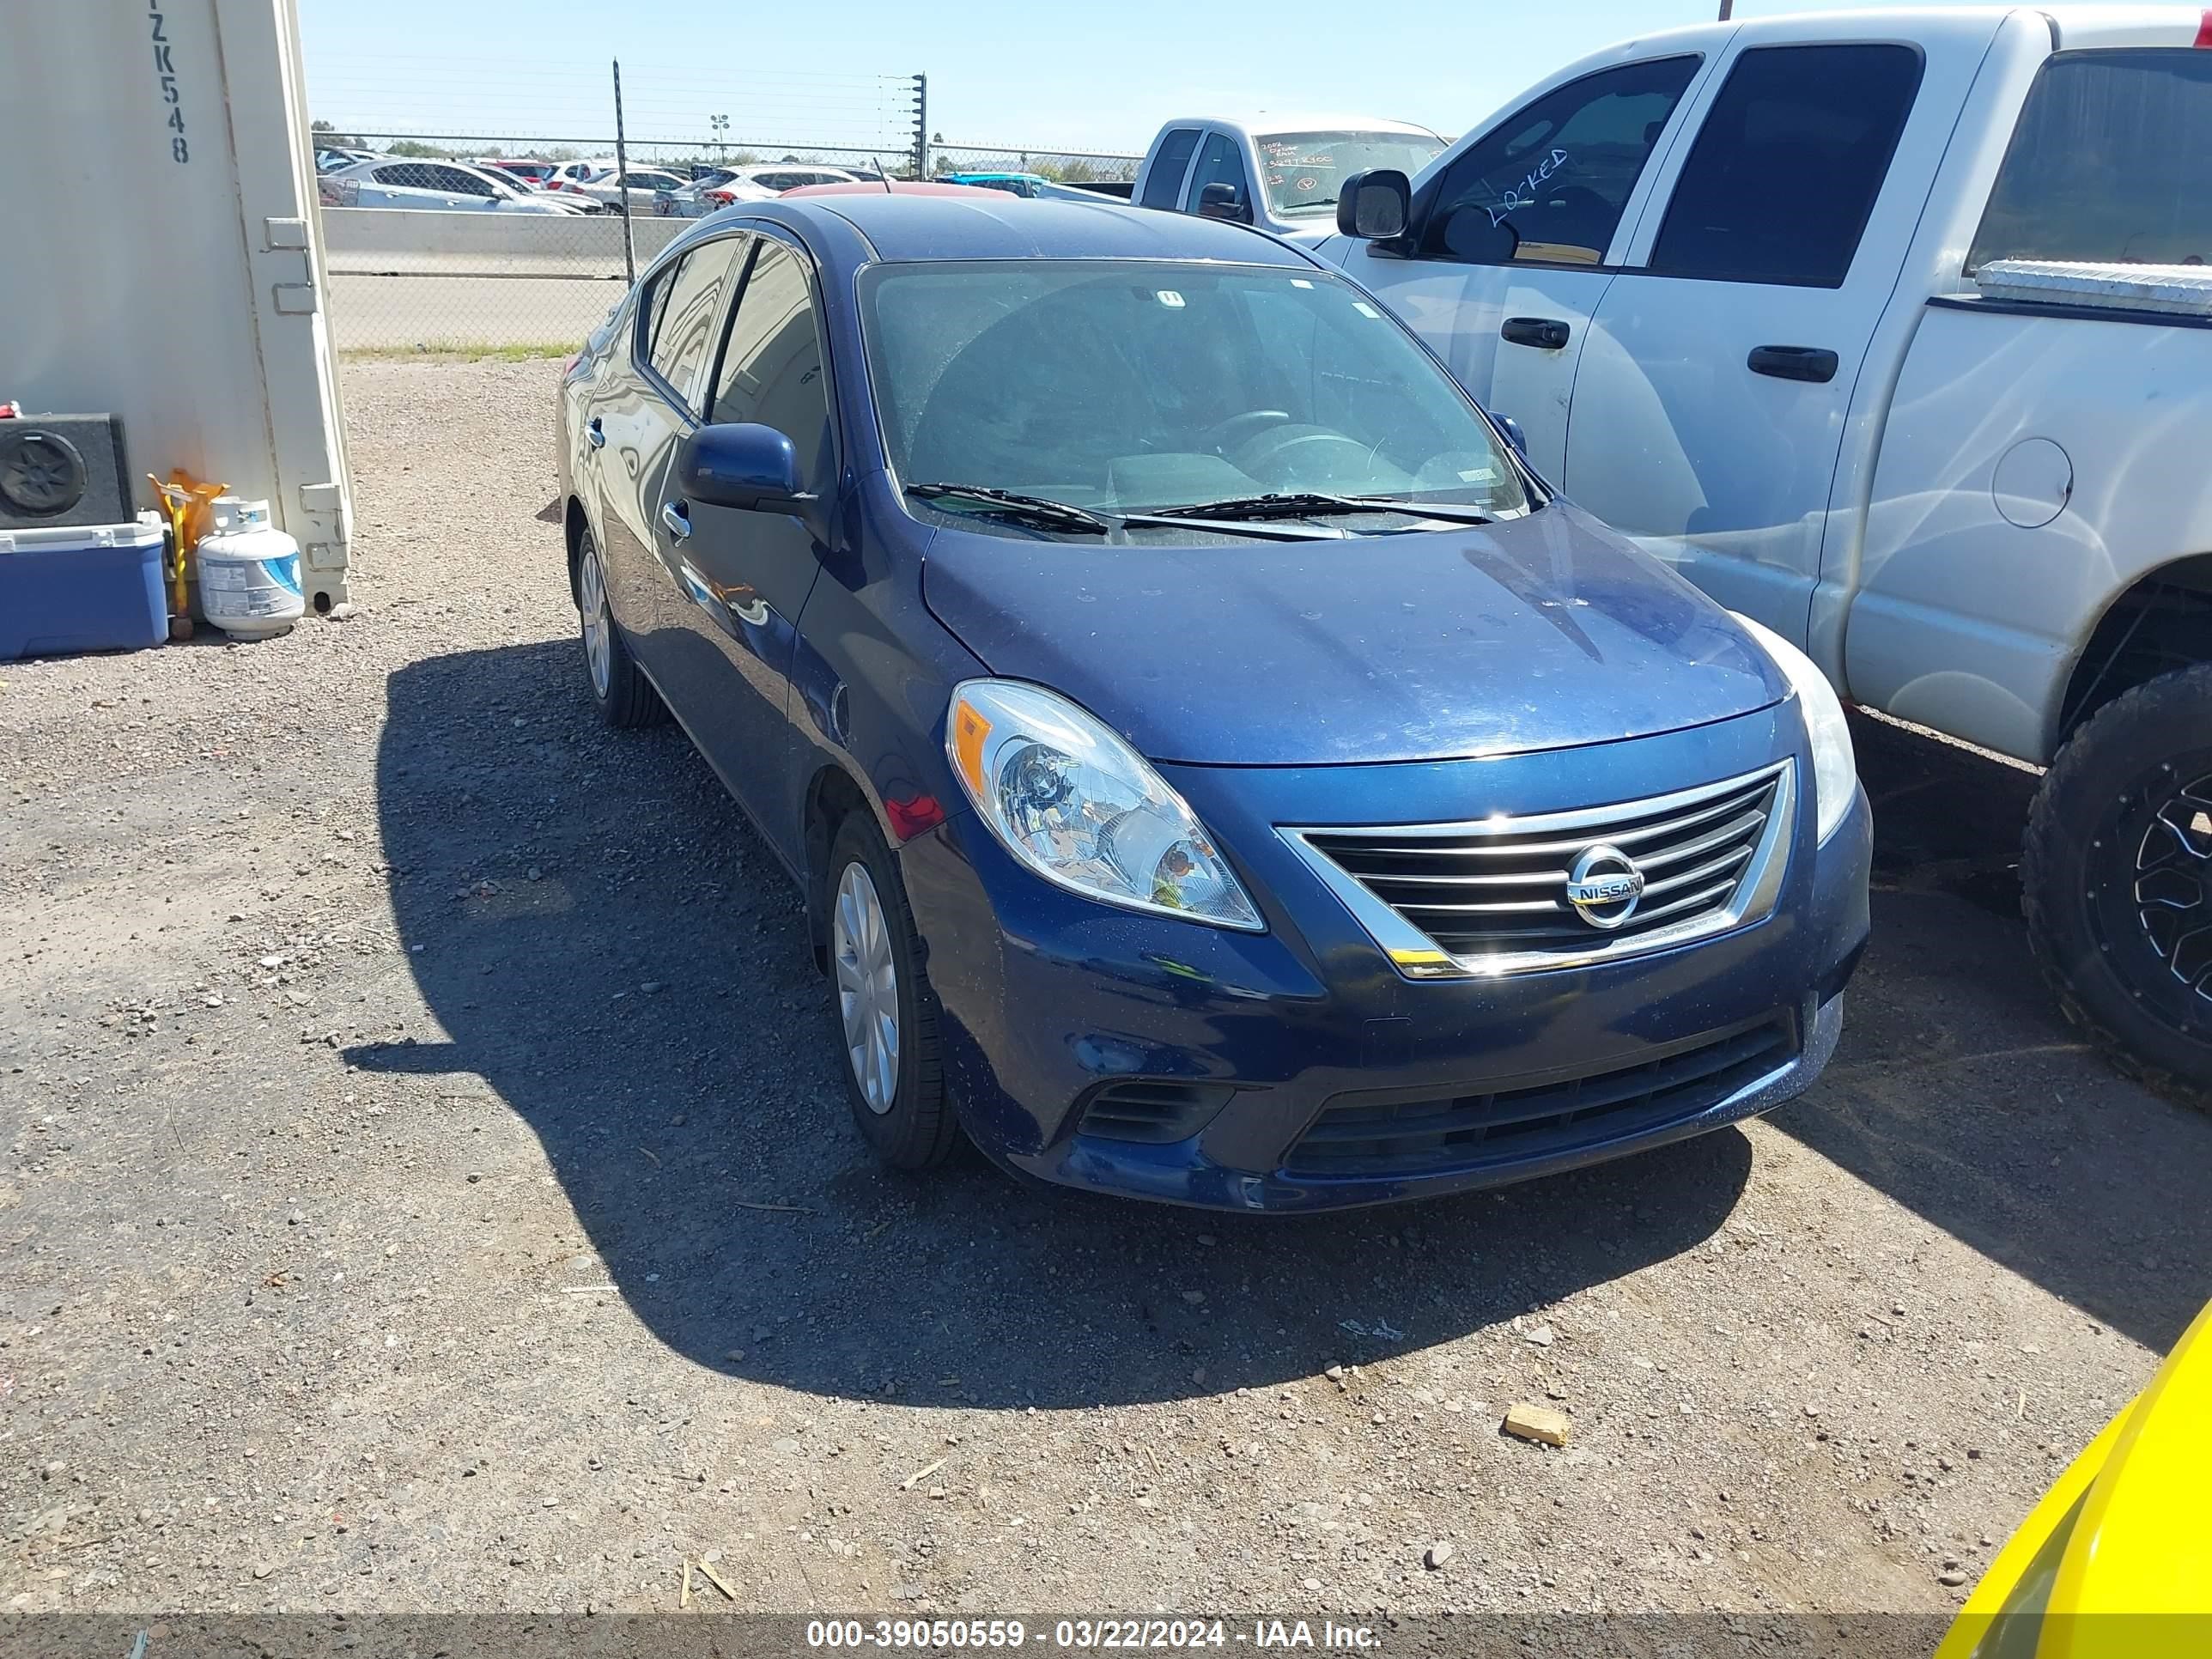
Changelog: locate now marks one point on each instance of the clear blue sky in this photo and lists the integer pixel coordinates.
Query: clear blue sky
(1094, 76)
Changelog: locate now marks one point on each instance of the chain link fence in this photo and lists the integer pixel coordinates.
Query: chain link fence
(404, 279)
(1083, 168)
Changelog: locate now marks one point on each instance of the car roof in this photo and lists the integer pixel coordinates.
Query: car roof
(955, 221)
(895, 187)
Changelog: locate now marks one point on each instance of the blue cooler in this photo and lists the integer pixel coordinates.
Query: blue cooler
(81, 587)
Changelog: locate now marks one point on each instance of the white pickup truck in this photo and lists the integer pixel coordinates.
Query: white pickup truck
(1278, 172)
(1754, 293)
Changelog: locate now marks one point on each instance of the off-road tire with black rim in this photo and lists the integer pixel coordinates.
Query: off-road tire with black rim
(916, 1127)
(2116, 881)
(625, 697)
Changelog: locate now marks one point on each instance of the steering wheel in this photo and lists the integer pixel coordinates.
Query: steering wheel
(1357, 458)
(1239, 428)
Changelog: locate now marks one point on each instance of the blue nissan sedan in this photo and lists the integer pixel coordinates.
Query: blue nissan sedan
(1218, 769)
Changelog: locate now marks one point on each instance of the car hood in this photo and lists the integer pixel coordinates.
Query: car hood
(1542, 632)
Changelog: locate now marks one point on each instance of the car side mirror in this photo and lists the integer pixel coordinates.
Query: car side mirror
(1375, 205)
(1514, 435)
(1221, 200)
(741, 464)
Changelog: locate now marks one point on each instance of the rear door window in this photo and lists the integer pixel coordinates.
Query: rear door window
(687, 304)
(1163, 184)
(1782, 177)
(1548, 186)
(1220, 161)
(456, 182)
(2112, 163)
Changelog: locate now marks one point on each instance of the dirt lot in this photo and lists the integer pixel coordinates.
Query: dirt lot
(387, 1228)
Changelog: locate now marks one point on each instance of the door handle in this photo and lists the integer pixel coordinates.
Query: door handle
(593, 436)
(1809, 363)
(1545, 333)
(674, 520)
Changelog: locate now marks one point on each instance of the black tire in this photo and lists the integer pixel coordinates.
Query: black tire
(2118, 837)
(627, 698)
(918, 1127)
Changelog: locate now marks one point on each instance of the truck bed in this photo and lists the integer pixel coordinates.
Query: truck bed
(2044, 449)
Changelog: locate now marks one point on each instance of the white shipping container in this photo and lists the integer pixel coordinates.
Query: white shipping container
(162, 260)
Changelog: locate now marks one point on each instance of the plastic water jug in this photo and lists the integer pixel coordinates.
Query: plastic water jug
(249, 572)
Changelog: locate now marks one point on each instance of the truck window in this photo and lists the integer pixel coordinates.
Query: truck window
(1547, 186)
(2108, 163)
(1219, 163)
(1782, 177)
(1163, 184)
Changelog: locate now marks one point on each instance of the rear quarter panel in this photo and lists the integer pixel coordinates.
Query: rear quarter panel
(1970, 614)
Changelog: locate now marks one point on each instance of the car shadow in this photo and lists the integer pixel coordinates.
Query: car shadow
(606, 944)
(1959, 1090)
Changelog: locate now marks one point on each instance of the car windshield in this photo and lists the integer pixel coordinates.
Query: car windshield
(1301, 171)
(1131, 385)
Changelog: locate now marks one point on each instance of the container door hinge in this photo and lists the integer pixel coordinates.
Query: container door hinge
(294, 299)
(284, 233)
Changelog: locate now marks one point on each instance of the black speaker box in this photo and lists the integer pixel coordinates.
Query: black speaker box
(62, 470)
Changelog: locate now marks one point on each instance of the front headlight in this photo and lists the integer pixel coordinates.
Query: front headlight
(1835, 770)
(1081, 808)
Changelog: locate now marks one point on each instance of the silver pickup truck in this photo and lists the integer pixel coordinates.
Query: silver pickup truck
(1894, 331)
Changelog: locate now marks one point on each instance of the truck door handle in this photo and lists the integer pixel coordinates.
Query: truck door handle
(1794, 363)
(1545, 333)
(674, 520)
(593, 436)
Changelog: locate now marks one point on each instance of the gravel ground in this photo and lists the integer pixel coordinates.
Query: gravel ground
(391, 1225)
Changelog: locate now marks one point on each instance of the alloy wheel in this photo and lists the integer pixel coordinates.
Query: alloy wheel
(599, 625)
(867, 986)
(2173, 885)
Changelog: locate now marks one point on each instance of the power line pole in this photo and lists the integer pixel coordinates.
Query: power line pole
(921, 126)
(621, 183)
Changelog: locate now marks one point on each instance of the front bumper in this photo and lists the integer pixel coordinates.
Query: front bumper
(1049, 998)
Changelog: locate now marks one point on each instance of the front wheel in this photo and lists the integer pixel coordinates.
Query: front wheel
(2116, 880)
(886, 1012)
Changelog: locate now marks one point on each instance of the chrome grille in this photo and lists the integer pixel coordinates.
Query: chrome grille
(1491, 896)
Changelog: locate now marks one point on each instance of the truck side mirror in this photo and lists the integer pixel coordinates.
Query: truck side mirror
(1375, 205)
(1221, 200)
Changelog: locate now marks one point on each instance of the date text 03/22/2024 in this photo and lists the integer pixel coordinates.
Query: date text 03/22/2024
(1088, 1634)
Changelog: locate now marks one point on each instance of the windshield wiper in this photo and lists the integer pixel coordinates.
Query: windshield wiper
(1306, 504)
(1010, 504)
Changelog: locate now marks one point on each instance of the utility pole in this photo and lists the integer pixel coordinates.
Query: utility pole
(721, 126)
(921, 126)
(622, 185)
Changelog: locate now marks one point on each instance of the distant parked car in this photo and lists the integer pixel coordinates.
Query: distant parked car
(1265, 793)
(1013, 184)
(533, 174)
(639, 186)
(752, 184)
(689, 201)
(394, 182)
(1279, 173)
(330, 160)
(572, 176)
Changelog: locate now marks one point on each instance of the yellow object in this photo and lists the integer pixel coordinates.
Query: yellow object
(192, 515)
(970, 729)
(2116, 1561)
